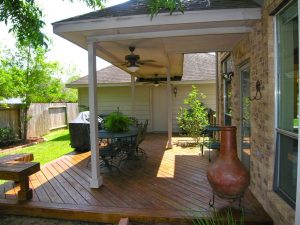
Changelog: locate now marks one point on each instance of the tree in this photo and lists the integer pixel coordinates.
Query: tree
(194, 118)
(28, 75)
(170, 5)
(25, 18)
(70, 94)
(7, 79)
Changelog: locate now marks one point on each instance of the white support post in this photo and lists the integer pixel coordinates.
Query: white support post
(297, 211)
(132, 96)
(96, 180)
(169, 97)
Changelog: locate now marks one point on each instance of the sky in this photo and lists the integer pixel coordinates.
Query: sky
(61, 50)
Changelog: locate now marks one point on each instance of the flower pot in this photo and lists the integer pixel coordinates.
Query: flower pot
(227, 176)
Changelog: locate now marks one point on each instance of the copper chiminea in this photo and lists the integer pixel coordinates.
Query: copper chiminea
(227, 175)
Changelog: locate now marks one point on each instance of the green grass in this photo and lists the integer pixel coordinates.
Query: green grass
(57, 145)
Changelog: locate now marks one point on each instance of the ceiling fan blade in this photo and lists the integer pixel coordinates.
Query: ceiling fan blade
(153, 65)
(147, 61)
(120, 63)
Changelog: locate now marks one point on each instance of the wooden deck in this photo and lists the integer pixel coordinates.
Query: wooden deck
(169, 186)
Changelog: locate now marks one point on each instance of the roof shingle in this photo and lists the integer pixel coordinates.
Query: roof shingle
(197, 67)
(139, 7)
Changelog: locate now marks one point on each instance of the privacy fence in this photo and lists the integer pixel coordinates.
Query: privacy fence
(43, 117)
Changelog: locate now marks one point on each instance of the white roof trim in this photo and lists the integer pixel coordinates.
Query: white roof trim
(160, 19)
(174, 33)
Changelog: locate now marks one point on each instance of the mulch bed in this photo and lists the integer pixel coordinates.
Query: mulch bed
(20, 145)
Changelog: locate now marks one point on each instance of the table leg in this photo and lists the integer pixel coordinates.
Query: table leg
(25, 192)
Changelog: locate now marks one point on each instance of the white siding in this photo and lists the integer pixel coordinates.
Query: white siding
(110, 98)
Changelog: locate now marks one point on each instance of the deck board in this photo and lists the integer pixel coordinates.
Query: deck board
(169, 186)
(64, 195)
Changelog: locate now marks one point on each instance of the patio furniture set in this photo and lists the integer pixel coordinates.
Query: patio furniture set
(118, 147)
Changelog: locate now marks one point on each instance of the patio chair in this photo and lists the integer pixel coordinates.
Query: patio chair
(129, 146)
(134, 120)
(210, 140)
(140, 150)
(110, 155)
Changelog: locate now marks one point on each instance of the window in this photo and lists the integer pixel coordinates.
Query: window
(227, 75)
(287, 103)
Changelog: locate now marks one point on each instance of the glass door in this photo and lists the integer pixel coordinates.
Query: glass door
(245, 115)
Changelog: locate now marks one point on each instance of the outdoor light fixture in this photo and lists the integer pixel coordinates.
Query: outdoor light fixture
(175, 91)
(133, 68)
(228, 76)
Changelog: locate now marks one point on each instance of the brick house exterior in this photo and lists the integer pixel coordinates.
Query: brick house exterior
(257, 50)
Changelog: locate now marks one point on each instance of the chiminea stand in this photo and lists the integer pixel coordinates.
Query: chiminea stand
(232, 198)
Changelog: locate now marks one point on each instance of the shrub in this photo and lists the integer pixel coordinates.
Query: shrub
(117, 122)
(7, 136)
(194, 118)
(218, 218)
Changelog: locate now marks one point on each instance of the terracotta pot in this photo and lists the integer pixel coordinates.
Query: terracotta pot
(227, 175)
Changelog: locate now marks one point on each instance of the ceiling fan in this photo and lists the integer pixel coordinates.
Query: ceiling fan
(156, 81)
(133, 62)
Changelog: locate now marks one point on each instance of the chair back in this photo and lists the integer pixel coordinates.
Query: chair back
(138, 137)
(144, 131)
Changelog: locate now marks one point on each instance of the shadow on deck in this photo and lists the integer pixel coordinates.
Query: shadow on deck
(169, 186)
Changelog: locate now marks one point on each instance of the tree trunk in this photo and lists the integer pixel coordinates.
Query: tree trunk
(25, 122)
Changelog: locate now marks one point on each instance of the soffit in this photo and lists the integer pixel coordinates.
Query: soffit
(163, 40)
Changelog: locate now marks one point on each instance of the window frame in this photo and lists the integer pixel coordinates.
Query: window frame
(278, 131)
(225, 85)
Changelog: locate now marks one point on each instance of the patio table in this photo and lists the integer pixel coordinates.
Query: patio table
(104, 134)
(117, 140)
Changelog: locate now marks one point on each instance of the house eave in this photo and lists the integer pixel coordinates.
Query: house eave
(127, 84)
(203, 16)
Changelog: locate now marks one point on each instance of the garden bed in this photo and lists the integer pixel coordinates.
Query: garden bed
(20, 145)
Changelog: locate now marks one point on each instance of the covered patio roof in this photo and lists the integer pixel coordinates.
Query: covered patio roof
(205, 26)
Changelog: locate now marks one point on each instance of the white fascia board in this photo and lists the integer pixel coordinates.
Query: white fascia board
(173, 33)
(99, 85)
(141, 84)
(160, 19)
(193, 82)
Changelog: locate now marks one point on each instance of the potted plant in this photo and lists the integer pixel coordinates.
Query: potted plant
(117, 122)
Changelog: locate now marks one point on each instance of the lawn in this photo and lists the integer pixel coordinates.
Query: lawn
(57, 145)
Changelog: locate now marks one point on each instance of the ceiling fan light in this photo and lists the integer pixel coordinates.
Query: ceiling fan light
(133, 68)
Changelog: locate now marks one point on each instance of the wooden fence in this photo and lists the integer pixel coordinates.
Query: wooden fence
(10, 117)
(44, 117)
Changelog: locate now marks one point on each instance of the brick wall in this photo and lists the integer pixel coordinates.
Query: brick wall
(258, 49)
